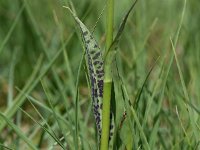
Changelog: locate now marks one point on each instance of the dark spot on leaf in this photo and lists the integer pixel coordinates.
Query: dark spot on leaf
(100, 71)
(92, 52)
(96, 62)
(101, 105)
(85, 33)
(88, 41)
(100, 75)
(111, 126)
(99, 67)
(97, 55)
(95, 46)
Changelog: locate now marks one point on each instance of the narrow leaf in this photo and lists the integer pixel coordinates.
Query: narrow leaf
(95, 70)
(121, 29)
(18, 132)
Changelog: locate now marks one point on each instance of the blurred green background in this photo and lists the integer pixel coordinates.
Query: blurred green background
(32, 33)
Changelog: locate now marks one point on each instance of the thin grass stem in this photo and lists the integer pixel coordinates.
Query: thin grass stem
(107, 78)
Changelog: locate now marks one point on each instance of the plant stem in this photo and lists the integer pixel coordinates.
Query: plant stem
(109, 23)
(107, 78)
(106, 116)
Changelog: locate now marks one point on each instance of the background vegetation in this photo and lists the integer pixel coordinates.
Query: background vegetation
(43, 74)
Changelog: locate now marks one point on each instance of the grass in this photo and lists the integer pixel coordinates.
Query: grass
(45, 97)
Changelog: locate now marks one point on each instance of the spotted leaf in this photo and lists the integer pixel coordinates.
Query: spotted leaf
(95, 71)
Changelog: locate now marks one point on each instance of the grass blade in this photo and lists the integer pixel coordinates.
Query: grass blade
(18, 131)
(12, 28)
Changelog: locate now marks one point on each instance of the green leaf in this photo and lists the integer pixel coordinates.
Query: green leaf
(120, 30)
(18, 131)
(95, 70)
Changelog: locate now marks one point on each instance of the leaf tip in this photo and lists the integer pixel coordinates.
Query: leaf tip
(68, 9)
